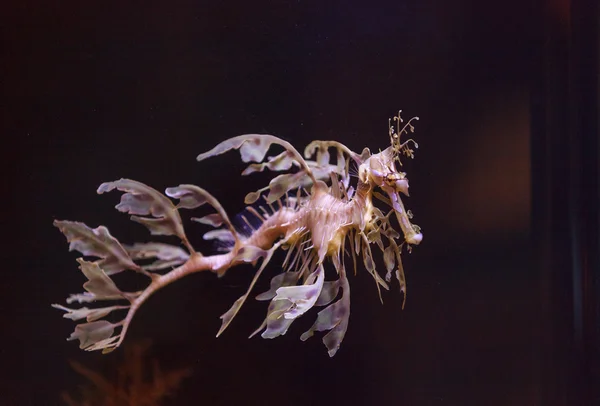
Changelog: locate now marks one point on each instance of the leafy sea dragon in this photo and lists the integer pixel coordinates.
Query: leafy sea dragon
(312, 211)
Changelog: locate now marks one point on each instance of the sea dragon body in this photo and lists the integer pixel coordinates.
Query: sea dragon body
(311, 225)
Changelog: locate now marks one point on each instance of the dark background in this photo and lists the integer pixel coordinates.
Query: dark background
(95, 91)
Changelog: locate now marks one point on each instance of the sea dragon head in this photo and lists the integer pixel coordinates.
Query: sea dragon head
(379, 170)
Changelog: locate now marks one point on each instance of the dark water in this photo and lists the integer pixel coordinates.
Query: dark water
(99, 92)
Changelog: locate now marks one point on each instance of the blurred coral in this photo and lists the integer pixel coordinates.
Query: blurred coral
(135, 383)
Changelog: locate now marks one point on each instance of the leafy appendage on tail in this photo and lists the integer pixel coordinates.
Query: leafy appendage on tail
(312, 210)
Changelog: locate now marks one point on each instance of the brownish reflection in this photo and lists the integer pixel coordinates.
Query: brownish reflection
(138, 381)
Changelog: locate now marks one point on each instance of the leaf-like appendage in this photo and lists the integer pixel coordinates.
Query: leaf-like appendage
(283, 279)
(277, 325)
(219, 234)
(274, 322)
(249, 253)
(99, 284)
(91, 333)
(281, 184)
(322, 149)
(335, 318)
(228, 316)
(167, 255)
(253, 147)
(370, 266)
(213, 219)
(97, 242)
(160, 226)
(328, 293)
(107, 345)
(342, 166)
(87, 313)
(142, 200)
(323, 155)
(400, 270)
(252, 197)
(302, 297)
(401, 280)
(374, 236)
(389, 259)
(281, 162)
(357, 242)
(84, 297)
(390, 233)
(191, 197)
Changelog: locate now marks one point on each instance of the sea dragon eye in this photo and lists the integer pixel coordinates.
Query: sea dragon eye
(398, 181)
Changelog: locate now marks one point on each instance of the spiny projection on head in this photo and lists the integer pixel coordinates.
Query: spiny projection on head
(311, 209)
